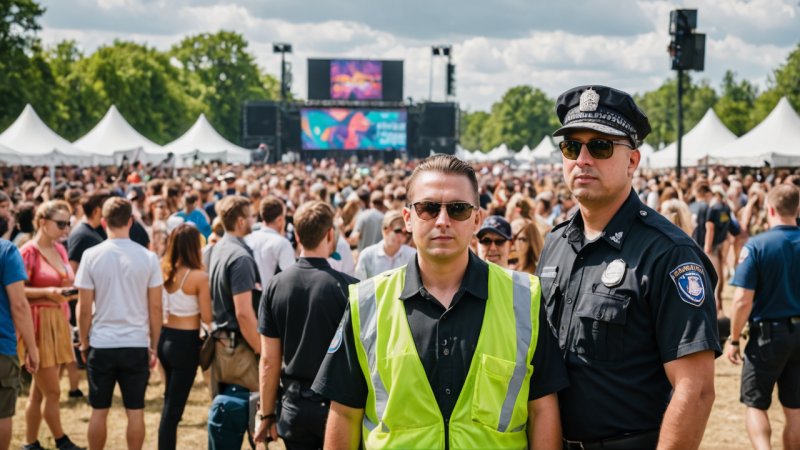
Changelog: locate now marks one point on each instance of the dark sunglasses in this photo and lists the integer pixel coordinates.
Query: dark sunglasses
(61, 224)
(598, 148)
(399, 231)
(455, 210)
(488, 241)
(401, 198)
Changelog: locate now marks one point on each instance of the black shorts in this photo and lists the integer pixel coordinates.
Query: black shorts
(9, 385)
(772, 357)
(105, 367)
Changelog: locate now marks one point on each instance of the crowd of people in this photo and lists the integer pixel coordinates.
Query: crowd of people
(221, 235)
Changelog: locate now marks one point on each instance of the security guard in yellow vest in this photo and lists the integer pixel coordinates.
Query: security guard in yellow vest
(449, 351)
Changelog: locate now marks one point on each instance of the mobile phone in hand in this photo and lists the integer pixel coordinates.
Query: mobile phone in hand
(69, 292)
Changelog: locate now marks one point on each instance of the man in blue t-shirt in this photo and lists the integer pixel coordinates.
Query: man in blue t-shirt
(768, 296)
(14, 313)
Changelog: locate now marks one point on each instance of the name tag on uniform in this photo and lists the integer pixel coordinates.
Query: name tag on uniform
(549, 272)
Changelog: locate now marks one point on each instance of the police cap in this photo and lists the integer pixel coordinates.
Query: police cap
(603, 109)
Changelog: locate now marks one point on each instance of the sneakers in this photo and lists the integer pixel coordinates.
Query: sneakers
(77, 393)
(34, 446)
(65, 443)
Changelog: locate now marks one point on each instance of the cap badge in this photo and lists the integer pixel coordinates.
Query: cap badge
(590, 99)
(614, 273)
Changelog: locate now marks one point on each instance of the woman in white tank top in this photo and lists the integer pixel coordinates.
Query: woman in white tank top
(187, 301)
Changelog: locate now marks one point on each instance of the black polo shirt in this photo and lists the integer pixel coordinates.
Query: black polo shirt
(445, 340)
(623, 305)
(302, 306)
(82, 238)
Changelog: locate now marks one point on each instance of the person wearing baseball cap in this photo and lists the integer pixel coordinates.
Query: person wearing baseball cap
(494, 240)
(629, 294)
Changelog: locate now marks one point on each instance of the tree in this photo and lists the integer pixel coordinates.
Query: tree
(661, 107)
(736, 104)
(222, 74)
(472, 124)
(785, 82)
(522, 117)
(145, 87)
(20, 70)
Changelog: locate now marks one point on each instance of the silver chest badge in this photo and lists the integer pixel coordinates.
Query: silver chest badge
(614, 273)
(589, 100)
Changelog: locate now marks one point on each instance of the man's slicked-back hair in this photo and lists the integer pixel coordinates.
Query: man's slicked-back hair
(448, 165)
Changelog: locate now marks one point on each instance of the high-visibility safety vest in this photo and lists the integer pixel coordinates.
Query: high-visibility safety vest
(492, 409)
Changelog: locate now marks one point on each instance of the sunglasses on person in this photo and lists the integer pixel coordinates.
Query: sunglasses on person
(399, 231)
(61, 224)
(598, 148)
(489, 241)
(460, 211)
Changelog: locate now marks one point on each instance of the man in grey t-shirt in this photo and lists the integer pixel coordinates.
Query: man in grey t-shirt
(369, 223)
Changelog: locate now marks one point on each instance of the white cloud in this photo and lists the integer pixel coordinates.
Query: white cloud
(554, 52)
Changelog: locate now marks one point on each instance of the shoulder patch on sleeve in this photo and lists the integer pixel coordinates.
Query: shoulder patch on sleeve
(688, 279)
(336, 342)
(743, 254)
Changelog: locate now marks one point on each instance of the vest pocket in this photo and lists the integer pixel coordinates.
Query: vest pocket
(602, 326)
(491, 388)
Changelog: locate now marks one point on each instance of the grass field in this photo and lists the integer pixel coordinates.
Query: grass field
(726, 429)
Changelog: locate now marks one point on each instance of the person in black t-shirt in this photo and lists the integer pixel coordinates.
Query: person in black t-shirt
(298, 336)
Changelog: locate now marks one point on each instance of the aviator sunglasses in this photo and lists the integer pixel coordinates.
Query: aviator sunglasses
(455, 210)
(598, 148)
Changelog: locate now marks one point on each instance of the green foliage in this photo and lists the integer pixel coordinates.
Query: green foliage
(21, 72)
(661, 107)
(736, 104)
(222, 75)
(472, 124)
(522, 117)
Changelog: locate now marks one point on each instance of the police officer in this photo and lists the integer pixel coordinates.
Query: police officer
(298, 316)
(448, 351)
(768, 296)
(630, 295)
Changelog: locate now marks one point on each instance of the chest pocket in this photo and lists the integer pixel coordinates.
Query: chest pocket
(600, 334)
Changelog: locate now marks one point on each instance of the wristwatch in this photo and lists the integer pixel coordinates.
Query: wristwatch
(733, 343)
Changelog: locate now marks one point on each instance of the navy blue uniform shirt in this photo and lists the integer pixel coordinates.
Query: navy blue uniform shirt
(637, 297)
(763, 264)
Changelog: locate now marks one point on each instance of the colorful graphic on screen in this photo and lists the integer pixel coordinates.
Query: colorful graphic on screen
(356, 80)
(353, 129)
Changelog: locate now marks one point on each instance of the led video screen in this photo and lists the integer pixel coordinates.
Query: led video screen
(356, 80)
(353, 129)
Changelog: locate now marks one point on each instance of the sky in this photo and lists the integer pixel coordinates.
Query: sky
(497, 44)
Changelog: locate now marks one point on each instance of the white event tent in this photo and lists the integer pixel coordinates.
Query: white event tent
(36, 144)
(203, 142)
(499, 153)
(546, 151)
(708, 135)
(524, 155)
(775, 140)
(113, 137)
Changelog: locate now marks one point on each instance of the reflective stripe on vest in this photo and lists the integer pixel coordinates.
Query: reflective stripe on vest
(522, 322)
(369, 334)
(367, 314)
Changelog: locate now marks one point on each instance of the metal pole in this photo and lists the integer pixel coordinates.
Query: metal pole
(279, 137)
(283, 75)
(430, 80)
(680, 121)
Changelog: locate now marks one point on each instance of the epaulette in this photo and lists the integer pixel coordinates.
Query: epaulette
(654, 219)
